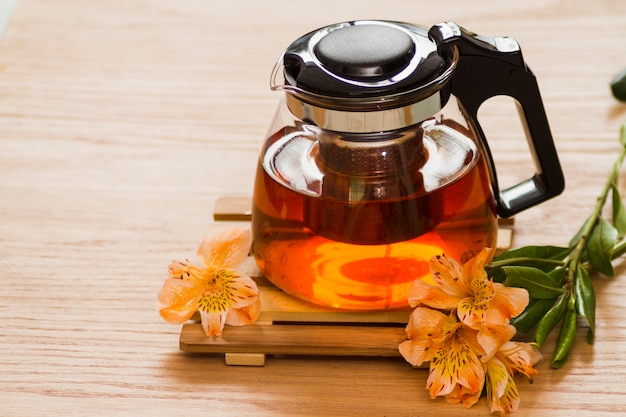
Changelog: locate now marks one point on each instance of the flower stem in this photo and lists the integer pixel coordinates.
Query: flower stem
(619, 249)
(576, 254)
(527, 260)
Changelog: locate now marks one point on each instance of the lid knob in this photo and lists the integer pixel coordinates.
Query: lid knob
(365, 52)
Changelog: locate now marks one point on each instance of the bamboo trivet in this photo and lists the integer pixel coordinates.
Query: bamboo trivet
(289, 326)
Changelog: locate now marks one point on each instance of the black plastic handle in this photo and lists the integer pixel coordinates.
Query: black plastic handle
(489, 67)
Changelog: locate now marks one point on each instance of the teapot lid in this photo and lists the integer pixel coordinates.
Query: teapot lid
(364, 66)
(362, 58)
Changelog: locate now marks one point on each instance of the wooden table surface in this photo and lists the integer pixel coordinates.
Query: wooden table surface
(122, 122)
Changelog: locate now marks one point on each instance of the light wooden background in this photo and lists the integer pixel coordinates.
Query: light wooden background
(122, 122)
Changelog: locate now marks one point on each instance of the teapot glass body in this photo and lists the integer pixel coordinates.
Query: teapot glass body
(350, 222)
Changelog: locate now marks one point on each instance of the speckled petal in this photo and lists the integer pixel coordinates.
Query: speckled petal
(502, 392)
(424, 332)
(453, 364)
(472, 310)
(241, 289)
(475, 267)
(180, 292)
(448, 275)
(422, 293)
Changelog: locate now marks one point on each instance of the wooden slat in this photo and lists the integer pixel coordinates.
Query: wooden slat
(245, 359)
(296, 340)
(278, 306)
(233, 209)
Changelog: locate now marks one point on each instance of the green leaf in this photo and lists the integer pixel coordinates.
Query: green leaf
(550, 319)
(566, 339)
(622, 133)
(619, 212)
(600, 248)
(558, 276)
(537, 282)
(529, 256)
(537, 252)
(585, 300)
(534, 312)
(618, 86)
(574, 241)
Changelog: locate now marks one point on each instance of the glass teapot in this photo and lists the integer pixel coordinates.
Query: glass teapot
(375, 161)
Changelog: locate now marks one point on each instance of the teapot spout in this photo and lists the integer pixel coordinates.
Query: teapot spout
(277, 82)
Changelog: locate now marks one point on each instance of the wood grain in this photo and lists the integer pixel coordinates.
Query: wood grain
(123, 121)
(296, 339)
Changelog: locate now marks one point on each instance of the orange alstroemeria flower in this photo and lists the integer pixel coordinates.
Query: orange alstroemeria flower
(480, 303)
(511, 359)
(461, 324)
(214, 287)
(455, 370)
(459, 365)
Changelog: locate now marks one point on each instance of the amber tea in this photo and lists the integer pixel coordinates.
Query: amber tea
(364, 254)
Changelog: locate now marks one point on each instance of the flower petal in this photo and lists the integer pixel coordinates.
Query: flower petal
(492, 338)
(502, 392)
(465, 365)
(448, 275)
(475, 267)
(422, 293)
(177, 301)
(497, 376)
(185, 270)
(472, 309)
(240, 288)
(213, 322)
(244, 315)
(440, 380)
(416, 352)
(214, 299)
(425, 323)
(455, 363)
(508, 302)
(463, 395)
(225, 250)
(424, 331)
(230, 298)
(180, 292)
(510, 401)
(471, 338)
(520, 357)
